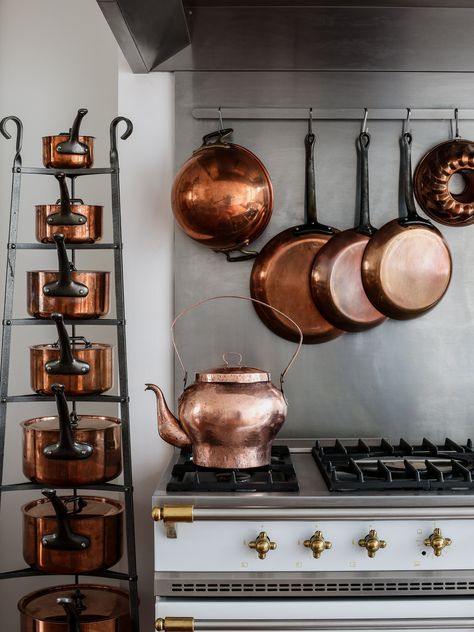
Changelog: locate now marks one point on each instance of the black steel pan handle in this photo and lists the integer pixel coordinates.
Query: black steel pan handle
(412, 218)
(219, 136)
(73, 145)
(67, 363)
(64, 538)
(72, 615)
(64, 286)
(364, 227)
(65, 217)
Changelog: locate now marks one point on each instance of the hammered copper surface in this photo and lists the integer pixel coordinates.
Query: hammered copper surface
(406, 270)
(98, 380)
(107, 609)
(101, 521)
(102, 433)
(52, 158)
(94, 305)
(222, 196)
(337, 286)
(281, 277)
(431, 182)
(228, 425)
(87, 233)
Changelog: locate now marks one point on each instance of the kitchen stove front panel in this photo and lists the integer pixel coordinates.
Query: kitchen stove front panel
(223, 546)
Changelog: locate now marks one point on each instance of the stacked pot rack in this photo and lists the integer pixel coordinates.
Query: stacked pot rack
(119, 322)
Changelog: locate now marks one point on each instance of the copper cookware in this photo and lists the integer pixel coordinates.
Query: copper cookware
(222, 196)
(230, 415)
(72, 534)
(406, 267)
(69, 150)
(282, 271)
(76, 608)
(75, 294)
(79, 223)
(70, 449)
(336, 279)
(85, 368)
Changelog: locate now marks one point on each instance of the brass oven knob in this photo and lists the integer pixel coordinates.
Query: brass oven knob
(262, 545)
(437, 542)
(372, 543)
(317, 544)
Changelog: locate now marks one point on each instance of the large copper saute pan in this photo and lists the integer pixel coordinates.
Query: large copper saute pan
(72, 293)
(79, 223)
(71, 449)
(76, 534)
(76, 608)
(85, 368)
(69, 151)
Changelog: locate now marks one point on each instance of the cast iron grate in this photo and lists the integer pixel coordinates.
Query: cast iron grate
(279, 476)
(377, 464)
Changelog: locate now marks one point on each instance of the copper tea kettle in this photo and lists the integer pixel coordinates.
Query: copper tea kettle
(231, 414)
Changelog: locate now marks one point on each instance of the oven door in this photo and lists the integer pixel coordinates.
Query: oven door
(293, 615)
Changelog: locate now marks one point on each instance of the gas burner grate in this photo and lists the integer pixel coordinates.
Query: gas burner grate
(358, 464)
(279, 476)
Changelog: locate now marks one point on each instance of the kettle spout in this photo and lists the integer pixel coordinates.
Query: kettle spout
(168, 426)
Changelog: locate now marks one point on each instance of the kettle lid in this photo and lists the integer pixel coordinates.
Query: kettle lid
(236, 374)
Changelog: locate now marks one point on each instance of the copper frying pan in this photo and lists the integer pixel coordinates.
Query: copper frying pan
(336, 279)
(406, 267)
(281, 272)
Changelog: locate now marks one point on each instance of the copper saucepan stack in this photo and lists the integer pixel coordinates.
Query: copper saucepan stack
(69, 150)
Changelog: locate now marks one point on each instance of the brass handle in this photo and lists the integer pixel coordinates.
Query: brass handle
(372, 543)
(317, 544)
(437, 542)
(262, 545)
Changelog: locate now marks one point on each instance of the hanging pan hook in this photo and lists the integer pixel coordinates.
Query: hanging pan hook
(19, 133)
(457, 135)
(113, 136)
(406, 122)
(221, 122)
(310, 121)
(364, 122)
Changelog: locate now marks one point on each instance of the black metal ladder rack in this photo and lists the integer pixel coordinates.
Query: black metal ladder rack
(9, 322)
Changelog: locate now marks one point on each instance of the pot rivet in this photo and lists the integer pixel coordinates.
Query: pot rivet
(84, 369)
(83, 545)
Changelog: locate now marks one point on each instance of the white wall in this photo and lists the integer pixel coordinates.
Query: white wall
(44, 82)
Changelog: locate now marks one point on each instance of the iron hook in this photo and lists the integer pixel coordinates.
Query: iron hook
(457, 136)
(221, 122)
(310, 121)
(364, 122)
(406, 122)
(113, 136)
(19, 134)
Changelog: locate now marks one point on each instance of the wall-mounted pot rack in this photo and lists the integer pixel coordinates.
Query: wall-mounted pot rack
(9, 322)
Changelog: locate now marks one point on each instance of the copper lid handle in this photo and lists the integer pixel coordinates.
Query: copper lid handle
(72, 615)
(242, 298)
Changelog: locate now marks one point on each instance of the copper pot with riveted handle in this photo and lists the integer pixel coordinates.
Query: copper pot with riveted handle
(72, 534)
(69, 150)
(79, 223)
(71, 449)
(76, 608)
(74, 294)
(85, 368)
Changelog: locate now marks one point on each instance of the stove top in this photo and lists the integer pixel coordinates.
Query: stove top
(279, 476)
(358, 464)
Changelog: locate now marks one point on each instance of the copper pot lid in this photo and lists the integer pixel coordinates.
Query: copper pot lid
(96, 603)
(90, 507)
(234, 374)
(83, 422)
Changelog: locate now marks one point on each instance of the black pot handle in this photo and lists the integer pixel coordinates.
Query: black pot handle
(67, 363)
(311, 224)
(64, 286)
(66, 449)
(65, 217)
(72, 615)
(219, 136)
(412, 218)
(72, 145)
(364, 227)
(64, 538)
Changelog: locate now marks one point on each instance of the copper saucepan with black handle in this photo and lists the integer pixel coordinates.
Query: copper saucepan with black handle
(69, 150)
(74, 294)
(85, 368)
(71, 449)
(72, 534)
(79, 223)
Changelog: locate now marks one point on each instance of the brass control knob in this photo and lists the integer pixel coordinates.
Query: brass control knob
(262, 545)
(317, 544)
(372, 543)
(437, 542)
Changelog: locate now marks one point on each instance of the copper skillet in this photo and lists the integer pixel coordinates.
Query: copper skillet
(281, 272)
(406, 267)
(336, 279)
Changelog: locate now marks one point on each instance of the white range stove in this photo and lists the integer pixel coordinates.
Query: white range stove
(375, 536)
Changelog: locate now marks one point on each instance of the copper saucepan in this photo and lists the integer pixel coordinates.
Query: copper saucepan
(79, 223)
(71, 449)
(74, 294)
(76, 608)
(222, 196)
(72, 534)
(69, 150)
(85, 368)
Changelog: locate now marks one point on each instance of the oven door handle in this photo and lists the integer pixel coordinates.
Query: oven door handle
(189, 624)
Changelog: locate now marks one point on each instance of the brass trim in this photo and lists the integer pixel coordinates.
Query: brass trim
(372, 543)
(317, 544)
(172, 514)
(175, 624)
(262, 545)
(437, 542)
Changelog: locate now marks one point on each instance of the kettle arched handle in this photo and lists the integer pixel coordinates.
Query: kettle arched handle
(243, 298)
